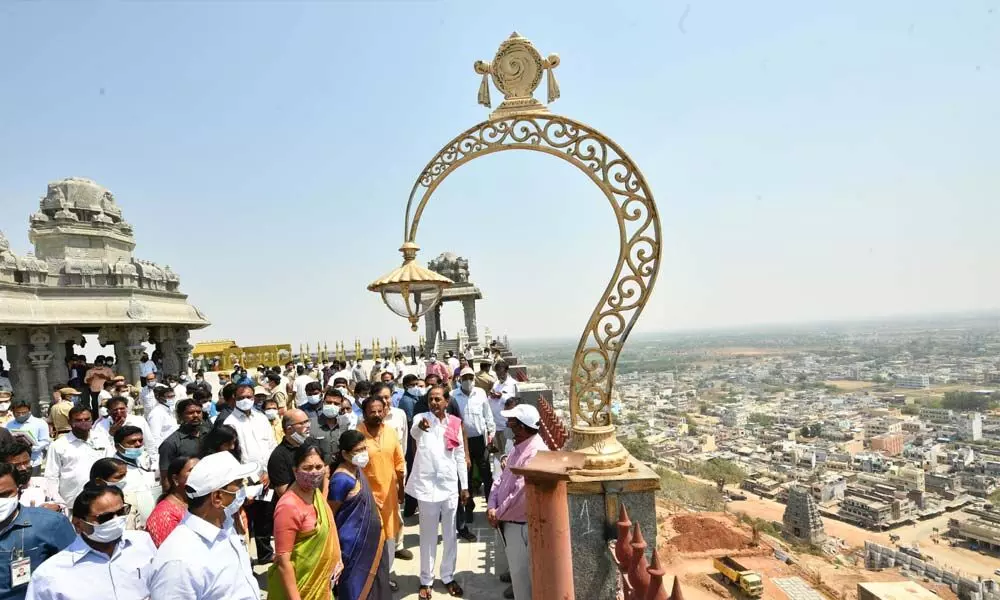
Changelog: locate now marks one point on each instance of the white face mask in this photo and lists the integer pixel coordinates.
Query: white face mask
(271, 414)
(314, 399)
(237, 502)
(244, 404)
(151, 383)
(107, 532)
(346, 421)
(4, 406)
(360, 459)
(101, 411)
(7, 507)
(330, 411)
(466, 387)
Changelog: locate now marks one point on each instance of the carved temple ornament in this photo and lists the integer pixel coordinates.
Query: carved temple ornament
(517, 70)
(523, 123)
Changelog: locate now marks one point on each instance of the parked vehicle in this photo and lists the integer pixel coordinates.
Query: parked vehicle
(740, 576)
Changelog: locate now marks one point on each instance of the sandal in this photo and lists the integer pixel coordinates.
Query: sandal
(425, 592)
(454, 589)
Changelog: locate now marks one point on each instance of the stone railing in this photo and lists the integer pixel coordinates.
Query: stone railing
(638, 579)
(552, 430)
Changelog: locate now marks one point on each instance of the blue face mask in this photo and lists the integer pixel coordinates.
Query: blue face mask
(22, 418)
(132, 453)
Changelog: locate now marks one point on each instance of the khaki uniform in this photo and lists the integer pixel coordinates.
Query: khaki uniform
(59, 415)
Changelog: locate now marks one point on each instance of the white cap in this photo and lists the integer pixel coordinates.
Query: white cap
(524, 413)
(467, 371)
(215, 472)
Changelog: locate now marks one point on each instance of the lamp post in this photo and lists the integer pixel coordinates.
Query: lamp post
(521, 122)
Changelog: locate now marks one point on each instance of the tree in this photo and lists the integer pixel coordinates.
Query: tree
(994, 498)
(639, 448)
(762, 419)
(719, 469)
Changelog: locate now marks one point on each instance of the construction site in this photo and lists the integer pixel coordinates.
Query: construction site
(698, 546)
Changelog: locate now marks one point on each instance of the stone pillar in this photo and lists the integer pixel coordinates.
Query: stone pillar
(593, 513)
(430, 324)
(168, 350)
(132, 340)
(41, 358)
(22, 377)
(58, 373)
(182, 349)
(469, 310)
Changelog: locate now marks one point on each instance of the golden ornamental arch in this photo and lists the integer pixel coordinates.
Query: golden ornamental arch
(523, 123)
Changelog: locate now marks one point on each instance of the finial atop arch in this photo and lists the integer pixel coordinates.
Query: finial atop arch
(517, 71)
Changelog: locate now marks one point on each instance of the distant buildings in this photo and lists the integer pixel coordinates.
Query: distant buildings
(913, 382)
(970, 426)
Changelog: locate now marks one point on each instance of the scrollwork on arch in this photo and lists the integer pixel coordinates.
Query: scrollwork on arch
(626, 189)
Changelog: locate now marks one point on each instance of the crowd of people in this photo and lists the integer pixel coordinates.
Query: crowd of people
(166, 491)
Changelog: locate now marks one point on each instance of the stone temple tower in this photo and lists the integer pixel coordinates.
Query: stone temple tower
(801, 522)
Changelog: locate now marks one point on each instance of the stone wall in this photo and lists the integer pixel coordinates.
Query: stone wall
(883, 557)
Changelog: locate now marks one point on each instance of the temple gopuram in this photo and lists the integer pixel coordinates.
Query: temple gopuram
(82, 279)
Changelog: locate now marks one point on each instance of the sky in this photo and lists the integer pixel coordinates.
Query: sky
(809, 161)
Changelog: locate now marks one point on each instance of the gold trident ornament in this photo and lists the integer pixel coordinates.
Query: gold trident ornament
(517, 71)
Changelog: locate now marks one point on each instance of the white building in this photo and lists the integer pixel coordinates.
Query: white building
(913, 382)
(970, 426)
(734, 417)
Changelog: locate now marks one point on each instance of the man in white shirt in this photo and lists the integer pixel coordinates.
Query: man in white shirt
(504, 388)
(453, 363)
(204, 558)
(104, 561)
(301, 379)
(146, 366)
(438, 468)
(147, 395)
(357, 373)
(34, 428)
(161, 417)
(340, 370)
(256, 444)
(118, 416)
(480, 427)
(67, 466)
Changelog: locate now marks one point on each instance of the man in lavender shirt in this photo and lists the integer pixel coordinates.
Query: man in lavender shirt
(508, 508)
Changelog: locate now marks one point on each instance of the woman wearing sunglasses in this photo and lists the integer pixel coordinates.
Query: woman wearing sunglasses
(105, 560)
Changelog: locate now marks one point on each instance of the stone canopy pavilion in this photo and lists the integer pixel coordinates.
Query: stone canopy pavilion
(82, 279)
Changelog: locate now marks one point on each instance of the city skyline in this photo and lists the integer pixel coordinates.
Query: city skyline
(809, 163)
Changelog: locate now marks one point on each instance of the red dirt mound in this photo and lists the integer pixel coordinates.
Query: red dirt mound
(698, 534)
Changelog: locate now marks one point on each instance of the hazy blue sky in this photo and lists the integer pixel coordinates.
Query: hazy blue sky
(810, 160)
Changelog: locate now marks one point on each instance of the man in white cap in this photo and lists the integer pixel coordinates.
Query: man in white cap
(478, 421)
(508, 507)
(204, 558)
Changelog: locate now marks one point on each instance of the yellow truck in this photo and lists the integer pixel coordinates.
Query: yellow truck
(743, 578)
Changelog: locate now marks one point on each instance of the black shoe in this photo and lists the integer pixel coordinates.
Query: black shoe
(505, 577)
(467, 535)
(509, 592)
(404, 554)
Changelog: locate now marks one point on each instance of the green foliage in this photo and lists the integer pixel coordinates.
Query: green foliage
(910, 409)
(719, 468)
(680, 489)
(994, 498)
(770, 528)
(639, 448)
(762, 419)
(967, 401)
(811, 430)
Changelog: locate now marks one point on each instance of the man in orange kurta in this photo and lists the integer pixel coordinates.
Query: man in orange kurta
(384, 469)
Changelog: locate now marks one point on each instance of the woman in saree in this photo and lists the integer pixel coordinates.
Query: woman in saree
(306, 546)
(366, 573)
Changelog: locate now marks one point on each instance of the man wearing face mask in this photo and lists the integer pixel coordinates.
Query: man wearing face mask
(147, 395)
(140, 480)
(314, 401)
(336, 417)
(161, 417)
(33, 428)
(146, 366)
(477, 419)
(28, 537)
(256, 444)
(270, 409)
(281, 463)
(413, 393)
(104, 560)
(204, 558)
(440, 369)
(276, 390)
(118, 417)
(358, 373)
(67, 465)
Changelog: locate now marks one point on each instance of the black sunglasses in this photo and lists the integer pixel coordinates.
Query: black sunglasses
(105, 517)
